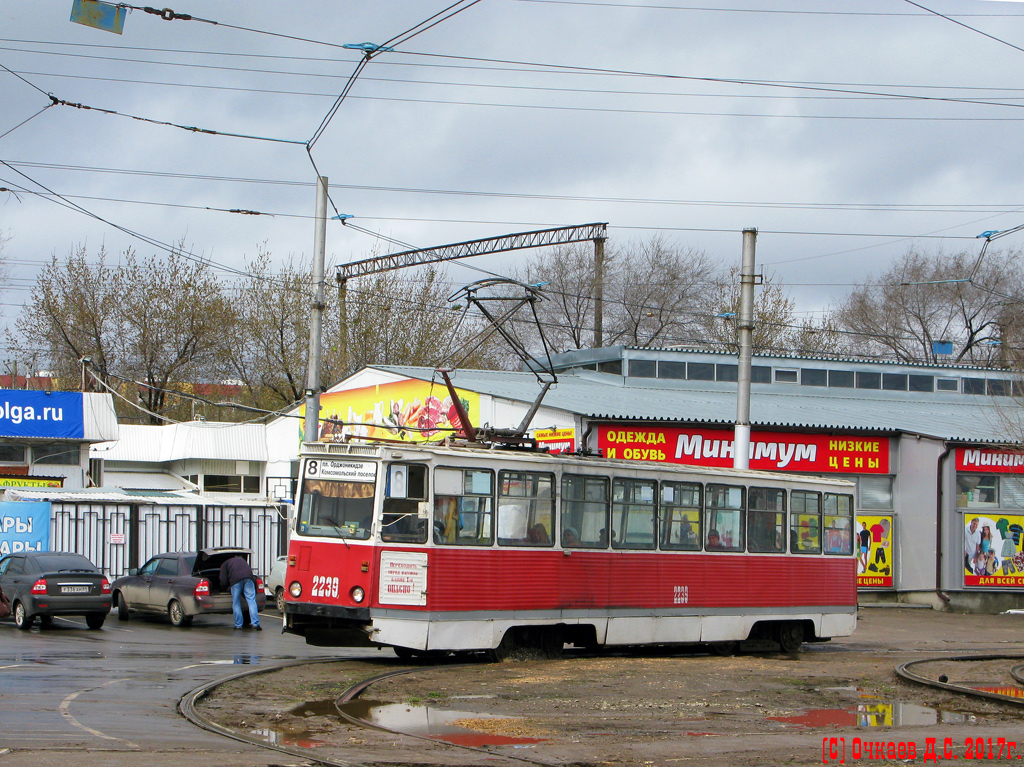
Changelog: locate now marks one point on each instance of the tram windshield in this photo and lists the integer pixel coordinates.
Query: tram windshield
(336, 509)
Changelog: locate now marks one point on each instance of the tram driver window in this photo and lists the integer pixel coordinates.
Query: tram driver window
(526, 508)
(766, 520)
(634, 513)
(405, 504)
(464, 507)
(336, 509)
(680, 516)
(584, 512)
(838, 524)
(805, 523)
(723, 518)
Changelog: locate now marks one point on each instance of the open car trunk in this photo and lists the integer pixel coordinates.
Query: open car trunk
(208, 562)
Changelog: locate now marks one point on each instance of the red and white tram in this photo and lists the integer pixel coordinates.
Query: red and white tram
(442, 548)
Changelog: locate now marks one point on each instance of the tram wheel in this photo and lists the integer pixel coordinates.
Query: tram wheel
(791, 636)
(406, 653)
(505, 647)
(552, 642)
(724, 648)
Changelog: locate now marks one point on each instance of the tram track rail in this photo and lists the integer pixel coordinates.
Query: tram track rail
(187, 707)
(910, 672)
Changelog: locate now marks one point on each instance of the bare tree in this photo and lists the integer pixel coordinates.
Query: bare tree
(923, 299)
(652, 289)
(776, 327)
(269, 342)
(174, 315)
(567, 311)
(656, 289)
(157, 322)
(404, 318)
(74, 314)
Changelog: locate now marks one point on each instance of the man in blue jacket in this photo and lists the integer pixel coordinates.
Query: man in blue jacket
(235, 574)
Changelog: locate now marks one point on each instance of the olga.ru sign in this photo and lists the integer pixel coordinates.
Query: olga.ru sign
(56, 415)
(769, 451)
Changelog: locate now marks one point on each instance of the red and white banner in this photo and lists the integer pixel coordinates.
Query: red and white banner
(769, 451)
(990, 461)
(556, 440)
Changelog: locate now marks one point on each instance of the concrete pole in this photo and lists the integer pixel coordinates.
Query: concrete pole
(598, 293)
(311, 430)
(343, 324)
(741, 439)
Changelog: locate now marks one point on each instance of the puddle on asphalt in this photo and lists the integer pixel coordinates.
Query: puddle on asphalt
(439, 723)
(1009, 691)
(423, 720)
(278, 737)
(895, 714)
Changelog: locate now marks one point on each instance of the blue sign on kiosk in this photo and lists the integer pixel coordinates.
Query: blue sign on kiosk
(40, 414)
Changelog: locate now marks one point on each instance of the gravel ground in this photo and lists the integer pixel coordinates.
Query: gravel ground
(654, 708)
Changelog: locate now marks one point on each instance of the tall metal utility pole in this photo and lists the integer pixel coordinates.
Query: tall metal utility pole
(311, 428)
(741, 438)
(599, 292)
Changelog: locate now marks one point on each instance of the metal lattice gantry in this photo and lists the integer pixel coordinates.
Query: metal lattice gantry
(538, 239)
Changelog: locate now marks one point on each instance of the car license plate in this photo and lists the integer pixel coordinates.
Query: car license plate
(74, 589)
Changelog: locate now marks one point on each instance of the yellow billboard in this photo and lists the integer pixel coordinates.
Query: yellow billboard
(408, 411)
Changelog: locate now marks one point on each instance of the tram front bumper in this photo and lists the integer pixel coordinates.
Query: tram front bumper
(328, 625)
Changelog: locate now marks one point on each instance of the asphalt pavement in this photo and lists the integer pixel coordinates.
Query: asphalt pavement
(109, 697)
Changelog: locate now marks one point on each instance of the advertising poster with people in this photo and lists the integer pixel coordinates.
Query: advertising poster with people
(873, 547)
(992, 549)
(409, 411)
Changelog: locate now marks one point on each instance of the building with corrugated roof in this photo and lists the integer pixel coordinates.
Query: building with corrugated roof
(929, 447)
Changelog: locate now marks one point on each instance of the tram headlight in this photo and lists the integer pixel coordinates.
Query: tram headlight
(295, 589)
(358, 595)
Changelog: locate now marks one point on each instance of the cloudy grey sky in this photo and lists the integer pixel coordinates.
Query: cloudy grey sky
(845, 131)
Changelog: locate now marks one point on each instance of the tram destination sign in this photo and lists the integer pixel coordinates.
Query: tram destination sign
(346, 471)
(769, 451)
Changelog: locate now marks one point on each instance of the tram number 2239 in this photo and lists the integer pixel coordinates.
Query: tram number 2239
(324, 586)
(680, 595)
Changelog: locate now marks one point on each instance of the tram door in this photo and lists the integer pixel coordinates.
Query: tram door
(585, 570)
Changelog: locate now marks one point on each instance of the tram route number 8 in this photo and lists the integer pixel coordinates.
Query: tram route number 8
(324, 586)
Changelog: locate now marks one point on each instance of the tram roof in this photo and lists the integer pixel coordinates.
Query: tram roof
(948, 416)
(377, 450)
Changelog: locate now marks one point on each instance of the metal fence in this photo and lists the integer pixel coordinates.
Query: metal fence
(120, 536)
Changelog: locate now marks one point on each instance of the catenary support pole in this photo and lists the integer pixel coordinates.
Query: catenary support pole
(741, 439)
(599, 292)
(311, 429)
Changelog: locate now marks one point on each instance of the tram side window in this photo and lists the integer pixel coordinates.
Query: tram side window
(723, 525)
(464, 507)
(838, 524)
(766, 520)
(634, 513)
(680, 516)
(526, 508)
(405, 498)
(584, 512)
(336, 509)
(805, 523)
